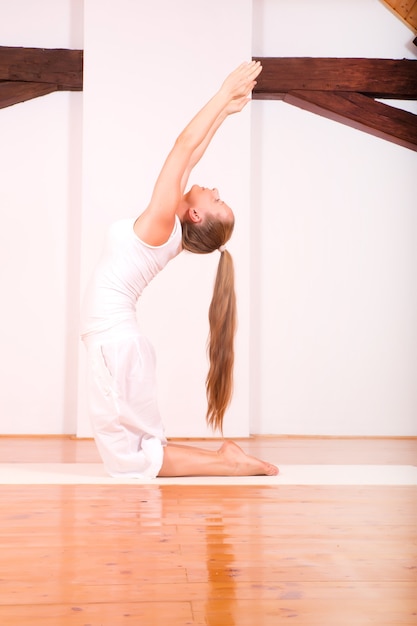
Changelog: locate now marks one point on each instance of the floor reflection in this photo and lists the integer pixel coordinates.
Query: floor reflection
(221, 597)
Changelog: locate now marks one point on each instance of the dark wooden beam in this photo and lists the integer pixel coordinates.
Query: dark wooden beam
(360, 112)
(378, 78)
(60, 67)
(344, 90)
(31, 72)
(13, 92)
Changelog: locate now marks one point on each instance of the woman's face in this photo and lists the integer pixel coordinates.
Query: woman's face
(207, 201)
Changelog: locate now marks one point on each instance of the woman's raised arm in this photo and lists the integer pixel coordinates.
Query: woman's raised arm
(155, 224)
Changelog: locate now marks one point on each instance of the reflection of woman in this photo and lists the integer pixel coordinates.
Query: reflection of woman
(126, 422)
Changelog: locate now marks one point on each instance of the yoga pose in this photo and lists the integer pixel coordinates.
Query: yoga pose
(127, 427)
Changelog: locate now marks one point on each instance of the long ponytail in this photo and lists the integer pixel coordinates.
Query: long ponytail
(204, 238)
(220, 344)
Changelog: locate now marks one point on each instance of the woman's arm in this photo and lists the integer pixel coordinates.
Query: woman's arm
(156, 223)
(234, 106)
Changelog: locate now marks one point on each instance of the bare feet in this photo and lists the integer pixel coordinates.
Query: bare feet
(243, 464)
(229, 460)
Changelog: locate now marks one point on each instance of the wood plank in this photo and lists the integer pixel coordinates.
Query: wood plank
(360, 112)
(412, 17)
(301, 613)
(60, 67)
(405, 10)
(27, 73)
(402, 6)
(102, 613)
(215, 611)
(379, 78)
(50, 591)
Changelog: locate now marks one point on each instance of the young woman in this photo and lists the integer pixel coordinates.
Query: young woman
(126, 423)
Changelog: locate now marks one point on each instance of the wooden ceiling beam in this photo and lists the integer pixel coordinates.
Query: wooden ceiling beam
(13, 92)
(344, 90)
(378, 78)
(31, 72)
(360, 112)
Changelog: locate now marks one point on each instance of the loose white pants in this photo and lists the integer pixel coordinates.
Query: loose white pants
(126, 423)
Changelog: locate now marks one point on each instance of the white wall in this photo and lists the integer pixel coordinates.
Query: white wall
(40, 200)
(144, 80)
(327, 336)
(334, 340)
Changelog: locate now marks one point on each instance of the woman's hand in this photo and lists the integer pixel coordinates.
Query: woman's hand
(236, 105)
(239, 84)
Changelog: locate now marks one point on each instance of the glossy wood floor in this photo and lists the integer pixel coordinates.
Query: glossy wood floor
(219, 556)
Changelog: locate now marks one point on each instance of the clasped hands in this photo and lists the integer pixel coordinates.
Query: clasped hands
(238, 85)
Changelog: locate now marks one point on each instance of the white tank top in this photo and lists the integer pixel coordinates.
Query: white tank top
(126, 267)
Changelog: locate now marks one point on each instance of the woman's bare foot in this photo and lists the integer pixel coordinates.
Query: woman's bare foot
(243, 464)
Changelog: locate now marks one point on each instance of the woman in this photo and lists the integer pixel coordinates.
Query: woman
(126, 423)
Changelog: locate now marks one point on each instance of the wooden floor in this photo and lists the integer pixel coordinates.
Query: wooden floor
(210, 555)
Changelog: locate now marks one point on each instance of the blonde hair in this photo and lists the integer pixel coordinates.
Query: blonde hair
(202, 238)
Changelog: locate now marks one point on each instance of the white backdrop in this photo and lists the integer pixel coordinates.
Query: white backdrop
(335, 254)
(325, 239)
(40, 196)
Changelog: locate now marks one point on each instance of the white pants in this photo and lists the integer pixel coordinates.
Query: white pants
(125, 418)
